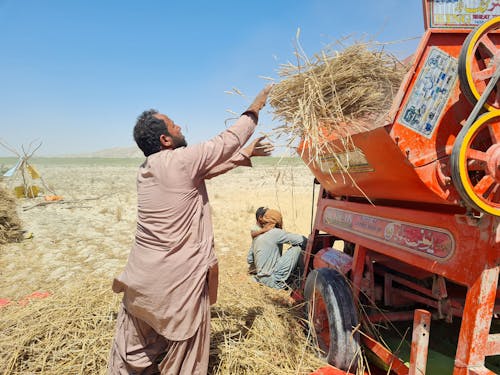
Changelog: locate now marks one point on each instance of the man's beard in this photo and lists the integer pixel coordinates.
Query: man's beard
(179, 141)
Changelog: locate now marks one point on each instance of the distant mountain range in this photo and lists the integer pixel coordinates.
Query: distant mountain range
(132, 152)
(116, 152)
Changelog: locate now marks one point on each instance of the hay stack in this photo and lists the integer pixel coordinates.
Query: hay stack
(341, 92)
(255, 330)
(69, 332)
(10, 225)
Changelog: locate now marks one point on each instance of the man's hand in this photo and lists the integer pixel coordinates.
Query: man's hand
(264, 229)
(267, 227)
(259, 148)
(260, 100)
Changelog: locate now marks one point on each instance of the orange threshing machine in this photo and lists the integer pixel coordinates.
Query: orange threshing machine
(417, 204)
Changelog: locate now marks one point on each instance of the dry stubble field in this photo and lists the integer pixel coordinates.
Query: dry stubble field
(79, 245)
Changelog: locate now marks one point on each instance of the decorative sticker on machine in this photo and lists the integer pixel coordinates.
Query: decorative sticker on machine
(430, 93)
(434, 242)
(462, 13)
(351, 161)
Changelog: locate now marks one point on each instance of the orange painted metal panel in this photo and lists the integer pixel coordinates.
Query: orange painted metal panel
(329, 370)
(420, 342)
(462, 260)
(415, 217)
(399, 162)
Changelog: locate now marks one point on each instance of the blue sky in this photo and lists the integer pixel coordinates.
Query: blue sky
(75, 74)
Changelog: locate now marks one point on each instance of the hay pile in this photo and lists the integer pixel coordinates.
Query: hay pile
(67, 333)
(10, 225)
(255, 330)
(258, 331)
(335, 92)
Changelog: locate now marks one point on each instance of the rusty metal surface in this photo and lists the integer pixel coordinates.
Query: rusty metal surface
(469, 259)
(420, 342)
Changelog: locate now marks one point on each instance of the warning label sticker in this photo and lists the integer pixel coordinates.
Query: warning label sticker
(431, 241)
(351, 161)
(430, 93)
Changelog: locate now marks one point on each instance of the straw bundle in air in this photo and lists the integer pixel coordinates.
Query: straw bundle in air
(10, 225)
(337, 93)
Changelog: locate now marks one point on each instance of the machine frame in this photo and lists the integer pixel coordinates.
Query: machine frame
(434, 245)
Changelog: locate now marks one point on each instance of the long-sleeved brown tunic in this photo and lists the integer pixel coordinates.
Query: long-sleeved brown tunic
(164, 281)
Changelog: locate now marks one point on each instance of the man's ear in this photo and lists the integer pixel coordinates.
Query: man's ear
(166, 141)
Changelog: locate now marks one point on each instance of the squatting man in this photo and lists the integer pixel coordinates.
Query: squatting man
(266, 259)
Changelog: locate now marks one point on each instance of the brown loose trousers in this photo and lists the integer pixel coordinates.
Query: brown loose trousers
(165, 302)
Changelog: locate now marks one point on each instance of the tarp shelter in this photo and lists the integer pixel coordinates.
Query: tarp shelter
(29, 174)
(24, 175)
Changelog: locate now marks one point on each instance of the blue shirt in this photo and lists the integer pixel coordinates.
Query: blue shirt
(268, 247)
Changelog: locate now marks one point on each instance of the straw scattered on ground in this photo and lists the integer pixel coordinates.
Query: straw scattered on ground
(77, 248)
(258, 330)
(67, 332)
(255, 330)
(336, 92)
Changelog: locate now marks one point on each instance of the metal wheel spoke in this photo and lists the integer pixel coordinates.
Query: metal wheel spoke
(486, 47)
(494, 194)
(483, 75)
(483, 185)
(476, 155)
(496, 90)
(485, 67)
(494, 129)
(476, 165)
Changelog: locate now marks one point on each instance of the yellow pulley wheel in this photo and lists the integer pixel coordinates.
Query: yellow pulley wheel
(477, 63)
(475, 163)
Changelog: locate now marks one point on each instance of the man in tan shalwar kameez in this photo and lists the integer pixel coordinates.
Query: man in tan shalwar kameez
(164, 320)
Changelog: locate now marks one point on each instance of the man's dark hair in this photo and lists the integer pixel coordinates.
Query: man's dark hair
(147, 131)
(260, 212)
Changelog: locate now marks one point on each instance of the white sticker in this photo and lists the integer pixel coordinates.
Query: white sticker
(430, 93)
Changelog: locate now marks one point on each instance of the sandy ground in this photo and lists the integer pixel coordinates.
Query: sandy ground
(255, 330)
(91, 233)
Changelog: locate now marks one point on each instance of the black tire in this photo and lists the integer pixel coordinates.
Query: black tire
(463, 63)
(455, 171)
(327, 293)
(462, 68)
(475, 137)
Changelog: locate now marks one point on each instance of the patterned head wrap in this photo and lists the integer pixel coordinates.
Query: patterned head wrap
(273, 217)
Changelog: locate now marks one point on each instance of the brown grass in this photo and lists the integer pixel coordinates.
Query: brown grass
(66, 333)
(258, 330)
(77, 249)
(255, 330)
